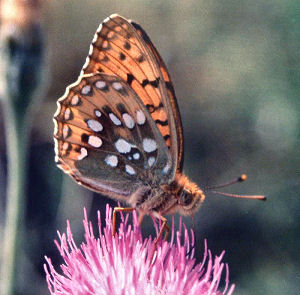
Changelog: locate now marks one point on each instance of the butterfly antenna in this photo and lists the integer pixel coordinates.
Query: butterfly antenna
(242, 178)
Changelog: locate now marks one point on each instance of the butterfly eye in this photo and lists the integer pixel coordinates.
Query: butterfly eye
(186, 198)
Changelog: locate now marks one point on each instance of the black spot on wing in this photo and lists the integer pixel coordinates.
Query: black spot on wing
(130, 78)
(84, 138)
(127, 45)
(141, 58)
(162, 123)
(107, 109)
(151, 108)
(122, 56)
(121, 108)
(153, 83)
(145, 83)
(139, 28)
(170, 87)
(159, 106)
(105, 58)
(77, 149)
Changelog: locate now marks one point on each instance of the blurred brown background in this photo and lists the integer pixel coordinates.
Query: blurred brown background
(236, 72)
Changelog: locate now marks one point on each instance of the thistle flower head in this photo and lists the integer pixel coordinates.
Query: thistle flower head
(121, 264)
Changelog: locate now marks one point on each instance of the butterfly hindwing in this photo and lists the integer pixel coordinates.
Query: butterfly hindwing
(106, 139)
(122, 48)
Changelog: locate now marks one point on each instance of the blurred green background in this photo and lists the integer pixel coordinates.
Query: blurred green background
(235, 66)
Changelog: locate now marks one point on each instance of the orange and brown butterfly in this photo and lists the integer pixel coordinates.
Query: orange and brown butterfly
(118, 129)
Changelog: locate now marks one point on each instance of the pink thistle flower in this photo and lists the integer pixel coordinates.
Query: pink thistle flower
(121, 264)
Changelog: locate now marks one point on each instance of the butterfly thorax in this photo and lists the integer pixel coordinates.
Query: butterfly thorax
(181, 195)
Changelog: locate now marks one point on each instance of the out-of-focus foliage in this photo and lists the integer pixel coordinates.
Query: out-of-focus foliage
(236, 72)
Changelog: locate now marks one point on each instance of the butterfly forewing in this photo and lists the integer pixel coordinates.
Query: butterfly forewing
(106, 139)
(170, 91)
(123, 49)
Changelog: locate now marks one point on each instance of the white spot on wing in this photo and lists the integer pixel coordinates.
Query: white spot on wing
(110, 34)
(140, 117)
(117, 86)
(83, 154)
(111, 160)
(67, 114)
(95, 125)
(75, 100)
(151, 161)
(86, 89)
(98, 113)
(129, 122)
(136, 156)
(105, 44)
(166, 168)
(115, 119)
(65, 146)
(100, 84)
(129, 170)
(65, 131)
(94, 141)
(123, 146)
(149, 145)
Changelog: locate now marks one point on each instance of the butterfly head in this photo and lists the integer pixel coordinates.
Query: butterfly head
(189, 196)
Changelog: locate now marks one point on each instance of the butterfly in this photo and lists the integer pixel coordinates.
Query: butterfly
(118, 129)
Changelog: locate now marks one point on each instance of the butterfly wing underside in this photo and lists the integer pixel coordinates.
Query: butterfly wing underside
(122, 48)
(106, 139)
(170, 89)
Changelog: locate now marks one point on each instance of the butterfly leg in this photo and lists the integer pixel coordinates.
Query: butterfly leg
(118, 209)
(141, 218)
(164, 228)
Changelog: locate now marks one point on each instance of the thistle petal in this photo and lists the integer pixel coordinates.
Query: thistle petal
(121, 264)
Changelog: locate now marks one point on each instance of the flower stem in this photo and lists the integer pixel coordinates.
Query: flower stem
(16, 140)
